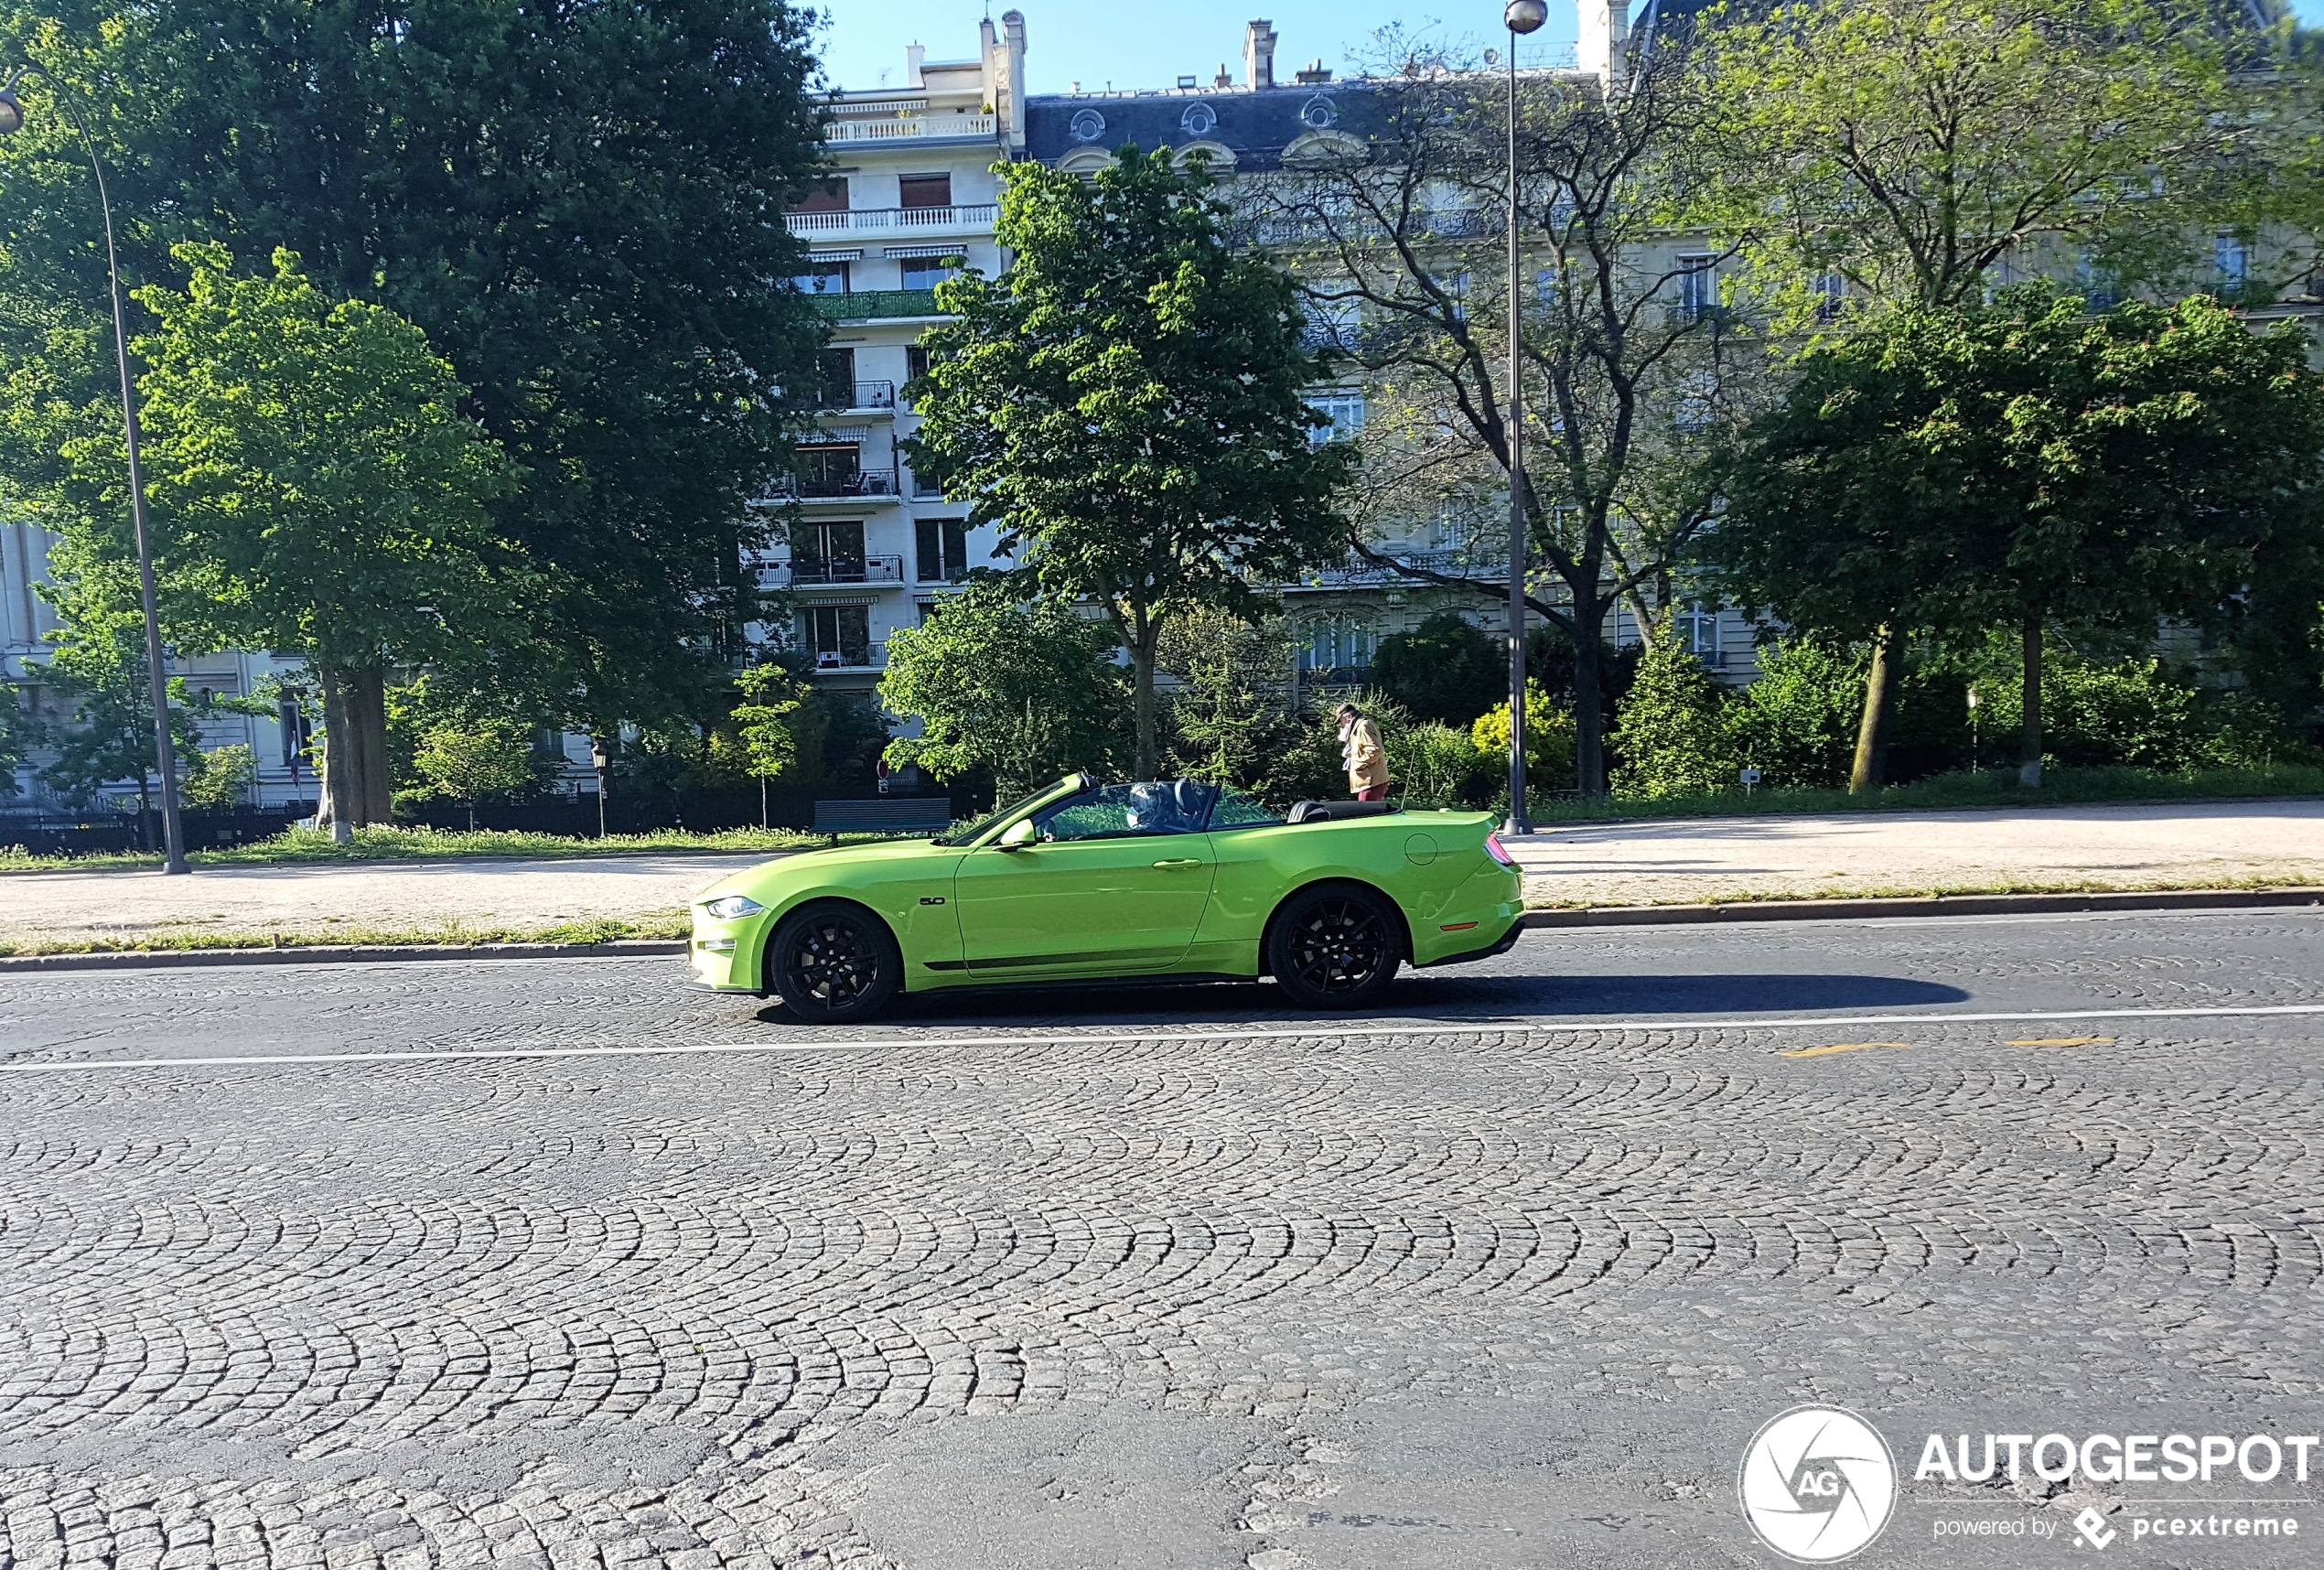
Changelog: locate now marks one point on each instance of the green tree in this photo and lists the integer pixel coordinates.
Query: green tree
(1914, 149)
(1671, 737)
(2030, 466)
(580, 205)
(1230, 710)
(775, 706)
(318, 492)
(1124, 402)
(477, 760)
(1028, 692)
(1445, 668)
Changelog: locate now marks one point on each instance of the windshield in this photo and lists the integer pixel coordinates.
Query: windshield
(986, 824)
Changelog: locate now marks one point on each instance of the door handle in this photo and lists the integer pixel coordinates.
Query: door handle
(1183, 861)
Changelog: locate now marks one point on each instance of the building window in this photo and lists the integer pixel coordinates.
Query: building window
(1331, 324)
(927, 271)
(1698, 630)
(827, 554)
(1346, 412)
(1546, 286)
(1457, 289)
(1698, 285)
(838, 634)
(838, 367)
(1698, 395)
(1831, 297)
(925, 190)
(1338, 646)
(833, 469)
(825, 195)
(823, 278)
(915, 361)
(2231, 261)
(943, 550)
(298, 732)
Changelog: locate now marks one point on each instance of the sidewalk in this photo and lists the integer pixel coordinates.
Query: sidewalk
(2160, 845)
(2142, 846)
(440, 897)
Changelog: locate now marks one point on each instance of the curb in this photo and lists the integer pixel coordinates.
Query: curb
(338, 954)
(1926, 905)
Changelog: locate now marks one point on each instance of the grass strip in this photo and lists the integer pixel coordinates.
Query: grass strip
(298, 847)
(1989, 788)
(448, 934)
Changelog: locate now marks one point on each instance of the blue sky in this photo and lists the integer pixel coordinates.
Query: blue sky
(1147, 45)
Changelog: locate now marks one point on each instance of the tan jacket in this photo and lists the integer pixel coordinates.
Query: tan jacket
(1367, 763)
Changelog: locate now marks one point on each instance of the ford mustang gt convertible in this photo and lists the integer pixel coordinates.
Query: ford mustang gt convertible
(1083, 882)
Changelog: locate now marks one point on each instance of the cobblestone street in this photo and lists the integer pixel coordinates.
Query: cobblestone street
(561, 1265)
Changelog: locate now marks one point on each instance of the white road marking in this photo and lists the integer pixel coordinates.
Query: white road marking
(1532, 1025)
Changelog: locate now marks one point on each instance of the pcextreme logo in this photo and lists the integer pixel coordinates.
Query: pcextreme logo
(1817, 1484)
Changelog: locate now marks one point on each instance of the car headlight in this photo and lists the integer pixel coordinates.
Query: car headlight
(732, 906)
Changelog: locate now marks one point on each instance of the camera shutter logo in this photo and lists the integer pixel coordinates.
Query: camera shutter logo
(1817, 1484)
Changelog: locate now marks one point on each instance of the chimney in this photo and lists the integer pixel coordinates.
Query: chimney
(1223, 79)
(1258, 54)
(1605, 39)
(1013, 31)
(914, 54)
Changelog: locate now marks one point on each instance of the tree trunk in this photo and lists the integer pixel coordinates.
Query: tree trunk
(2029, 748)
(356, 787)
(1871, 771)
(1589, 707)
(1143, 635)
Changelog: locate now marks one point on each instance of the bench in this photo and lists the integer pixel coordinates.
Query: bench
(884, 815)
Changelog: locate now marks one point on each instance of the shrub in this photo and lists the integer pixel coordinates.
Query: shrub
(1445, 668)
(222, 777)
(1549, 741)
(1438, 765)
(1796, 723)
(1671, 737)
(1311, 766)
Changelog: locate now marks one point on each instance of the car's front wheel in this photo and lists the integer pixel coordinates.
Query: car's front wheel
(833, 964)
(1335, 946)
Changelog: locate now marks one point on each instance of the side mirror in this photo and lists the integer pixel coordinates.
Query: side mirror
(1017, 836)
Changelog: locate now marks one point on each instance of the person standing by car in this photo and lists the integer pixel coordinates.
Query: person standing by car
(1366, 760)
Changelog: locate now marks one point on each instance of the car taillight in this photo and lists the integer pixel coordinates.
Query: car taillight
(1499, 852)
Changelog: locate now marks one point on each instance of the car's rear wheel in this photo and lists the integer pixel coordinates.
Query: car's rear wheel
(1336, 945)
(833, 964)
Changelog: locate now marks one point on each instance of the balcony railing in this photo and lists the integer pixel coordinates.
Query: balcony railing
(893, 220)
(1357, 573)
(859, 657)
(912, 128)
(877, 305)
(809, 571)
(836, 487)
(868, 395)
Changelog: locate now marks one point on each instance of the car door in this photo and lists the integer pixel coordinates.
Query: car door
(1114, 879)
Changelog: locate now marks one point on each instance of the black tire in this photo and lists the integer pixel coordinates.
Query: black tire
(1336, 945)
(833, 964)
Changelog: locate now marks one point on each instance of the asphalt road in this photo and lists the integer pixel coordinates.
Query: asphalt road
(561, 1265)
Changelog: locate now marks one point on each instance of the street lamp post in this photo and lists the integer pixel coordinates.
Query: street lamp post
(157, 675)
(1521, 16)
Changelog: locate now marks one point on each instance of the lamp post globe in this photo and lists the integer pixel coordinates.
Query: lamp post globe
(1525, 16)
(11, 112)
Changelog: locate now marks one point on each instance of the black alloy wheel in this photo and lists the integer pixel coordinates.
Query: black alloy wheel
(833, 964)
(1335, 947)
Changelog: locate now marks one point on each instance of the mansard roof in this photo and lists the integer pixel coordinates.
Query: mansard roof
(1253, 124)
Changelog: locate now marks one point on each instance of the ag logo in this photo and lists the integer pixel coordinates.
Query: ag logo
(1817, 1484)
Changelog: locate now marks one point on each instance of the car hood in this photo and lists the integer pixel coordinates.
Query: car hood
(818, 865)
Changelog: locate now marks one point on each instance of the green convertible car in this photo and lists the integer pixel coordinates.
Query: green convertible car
(1084, 882)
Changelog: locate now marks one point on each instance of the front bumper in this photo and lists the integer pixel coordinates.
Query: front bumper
(723, 955)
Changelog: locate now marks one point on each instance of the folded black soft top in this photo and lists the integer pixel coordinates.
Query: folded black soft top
(1334, 812)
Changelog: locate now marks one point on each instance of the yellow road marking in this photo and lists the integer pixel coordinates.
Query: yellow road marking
(2063, 1041)
(1842, 1047)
